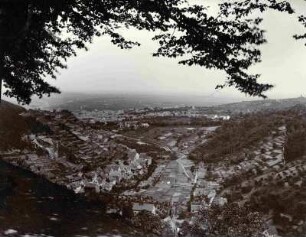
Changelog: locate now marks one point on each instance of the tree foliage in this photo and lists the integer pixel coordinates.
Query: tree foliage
(38, 36)
(227, 221)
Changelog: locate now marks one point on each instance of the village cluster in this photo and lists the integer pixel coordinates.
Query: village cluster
(139, 114)
(77, 156)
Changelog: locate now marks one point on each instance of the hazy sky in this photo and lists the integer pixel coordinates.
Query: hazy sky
(107, 68)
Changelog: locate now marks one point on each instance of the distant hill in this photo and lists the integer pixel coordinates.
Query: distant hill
(12, 125)
(260, 105)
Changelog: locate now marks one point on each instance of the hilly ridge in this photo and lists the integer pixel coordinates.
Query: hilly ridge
(262, 105)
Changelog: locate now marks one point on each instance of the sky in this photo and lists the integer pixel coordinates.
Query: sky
(106, 68)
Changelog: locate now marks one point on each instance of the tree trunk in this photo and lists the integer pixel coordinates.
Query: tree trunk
(1, 67)
(1, 82)
(14, 25)
(3, 32)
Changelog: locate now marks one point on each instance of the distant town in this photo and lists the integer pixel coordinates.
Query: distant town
(228, 170)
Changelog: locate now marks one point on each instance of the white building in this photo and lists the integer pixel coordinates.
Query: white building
(137, 207)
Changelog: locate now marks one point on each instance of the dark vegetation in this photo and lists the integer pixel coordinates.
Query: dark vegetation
(286, 205)
(148, 222)
(181, 121)
(227, 221)
(140, 148)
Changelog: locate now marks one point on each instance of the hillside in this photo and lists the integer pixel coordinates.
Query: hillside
(261, 105)
(12, 125)
(238, 134)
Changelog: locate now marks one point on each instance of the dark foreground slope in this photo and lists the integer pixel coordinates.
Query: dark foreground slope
(12, 125)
